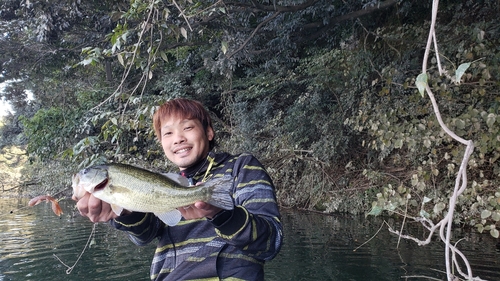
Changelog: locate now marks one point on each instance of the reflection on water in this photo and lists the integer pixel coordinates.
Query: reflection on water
(316, 247)
(32, 237)
(321, 247)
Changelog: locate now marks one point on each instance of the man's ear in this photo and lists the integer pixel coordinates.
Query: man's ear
(210, 133)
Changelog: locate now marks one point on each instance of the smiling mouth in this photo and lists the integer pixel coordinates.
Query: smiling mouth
(182, 150)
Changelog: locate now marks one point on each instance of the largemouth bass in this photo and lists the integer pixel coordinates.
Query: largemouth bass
(136, 189)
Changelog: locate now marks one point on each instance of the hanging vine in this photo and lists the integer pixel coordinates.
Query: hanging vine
(453, 256)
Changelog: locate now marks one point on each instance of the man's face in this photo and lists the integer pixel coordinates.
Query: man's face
(184, 141)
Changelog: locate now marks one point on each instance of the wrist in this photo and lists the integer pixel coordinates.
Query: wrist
(125, 212)
(230, 222)
(220, 217)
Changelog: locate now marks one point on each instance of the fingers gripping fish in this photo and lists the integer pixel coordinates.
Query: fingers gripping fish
(55, 205)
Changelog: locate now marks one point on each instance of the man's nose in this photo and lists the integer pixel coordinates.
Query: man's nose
(179, 138)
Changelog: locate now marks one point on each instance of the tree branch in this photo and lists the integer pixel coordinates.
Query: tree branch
(350, 16)
(272, 8)
(253, 33)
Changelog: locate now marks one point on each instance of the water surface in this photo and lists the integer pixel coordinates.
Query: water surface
(37, 245)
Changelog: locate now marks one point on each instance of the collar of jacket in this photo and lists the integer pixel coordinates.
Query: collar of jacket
(202, 167)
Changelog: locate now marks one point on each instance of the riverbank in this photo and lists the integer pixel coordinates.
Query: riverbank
(19, 178)
(12, 161)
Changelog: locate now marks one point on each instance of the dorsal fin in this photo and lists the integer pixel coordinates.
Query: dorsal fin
(177, 178)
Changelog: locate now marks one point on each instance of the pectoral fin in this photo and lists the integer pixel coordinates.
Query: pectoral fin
(116, 209)
(170, 218)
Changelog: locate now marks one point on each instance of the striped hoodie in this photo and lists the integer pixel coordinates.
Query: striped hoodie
(233, 245)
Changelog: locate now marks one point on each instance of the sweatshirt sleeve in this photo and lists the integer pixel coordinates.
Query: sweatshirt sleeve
(142, 228)
(254, 225)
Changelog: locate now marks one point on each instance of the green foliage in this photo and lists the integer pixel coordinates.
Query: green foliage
(48, 131)
(330, 101)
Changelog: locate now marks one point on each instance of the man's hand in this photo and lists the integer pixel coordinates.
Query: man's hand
(199, 210)
(95, 209)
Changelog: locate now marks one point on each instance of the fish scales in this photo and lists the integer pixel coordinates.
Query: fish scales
(149, 192)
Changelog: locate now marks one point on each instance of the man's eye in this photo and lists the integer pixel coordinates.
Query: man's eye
(167, 134)
(188, 128)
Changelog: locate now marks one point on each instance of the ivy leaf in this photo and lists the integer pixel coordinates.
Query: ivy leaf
(427, 143)
(398, 143)
(494, 233)
(460, 71)
(439, 207)
(490, 120)
(421, 83)
(480, 228)
(495, 216)
(375, 211)
(485, 214)
(424, 214)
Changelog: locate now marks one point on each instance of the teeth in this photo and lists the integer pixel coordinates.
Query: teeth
(182, 150)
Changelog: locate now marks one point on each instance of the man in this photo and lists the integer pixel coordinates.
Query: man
(208, 243)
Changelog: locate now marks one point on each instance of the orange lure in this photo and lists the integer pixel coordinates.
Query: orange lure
(55, 205)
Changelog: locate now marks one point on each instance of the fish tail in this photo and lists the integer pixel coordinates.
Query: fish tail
(221, 193)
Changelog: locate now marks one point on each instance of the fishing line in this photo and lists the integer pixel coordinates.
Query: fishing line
(384, 222)
(70, 268)
(13, 211)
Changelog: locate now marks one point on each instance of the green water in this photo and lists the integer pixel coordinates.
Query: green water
(37, 245)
